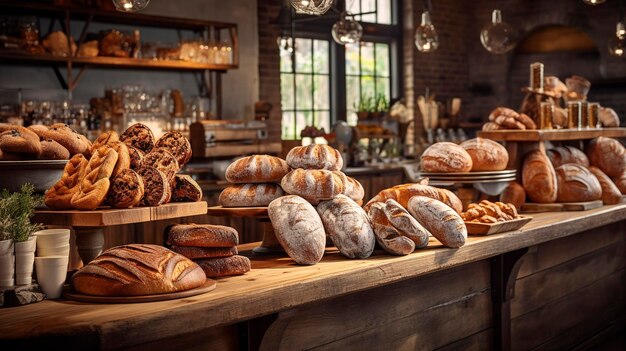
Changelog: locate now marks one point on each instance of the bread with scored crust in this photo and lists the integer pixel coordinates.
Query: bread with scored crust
(440, 220)
(403, 192)
(248, 195)
(315, 156)
(486, 154)
(577, 184)
(608, 154)
(610, 192)
(539, 178)
(314, 185)
(257, 169)
(445, 157)
(387, 236)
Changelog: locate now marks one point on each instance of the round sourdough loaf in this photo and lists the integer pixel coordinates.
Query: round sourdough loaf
(440, 220)
(610, 192)
(314, 185)
(567, 154)
(348, 226)
(257, 169)
(136, 270)
(576, 184)
(387, 236)
(515, 194)
(446, 157)
(608, 154)
(315, 156)
(486, 154)
(201, 235)
(538, 178)
(402, 193)
(298, 228)
(247, 195)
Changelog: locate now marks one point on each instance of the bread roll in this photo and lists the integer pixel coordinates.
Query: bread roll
(621, 182)
(193, 253)
(315, 156)
(314, 185)
(201, 235)
(20, 141)
(257, 169)
(567, 154)
(348, 226)
(442, 222)
(446, 157)
(224, 266)
(298, 228)
(611, 194)
(539, 178)
(51, 150)
(514, 194)
(136, 270)
(387, 236)
(486, 154)
(246, 195)
(402, 193)
(406, 224)
(59, 197)
(608, 154)
(608, 117)
(577, 184)
(95, 186)
(185, 189)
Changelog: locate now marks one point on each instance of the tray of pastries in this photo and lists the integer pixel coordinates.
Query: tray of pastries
(487, 218)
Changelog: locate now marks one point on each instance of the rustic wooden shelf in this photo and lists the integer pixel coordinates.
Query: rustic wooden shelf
(552, 134)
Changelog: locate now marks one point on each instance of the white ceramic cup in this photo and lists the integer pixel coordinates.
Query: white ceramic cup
(51, 273)
(53, 251)
(52, 237)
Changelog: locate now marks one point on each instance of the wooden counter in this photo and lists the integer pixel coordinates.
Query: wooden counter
(278, 289)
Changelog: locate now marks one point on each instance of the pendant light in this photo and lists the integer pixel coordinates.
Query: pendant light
(498, 37)
(347, 30)
(617, 44)
(285, 44)
(426, 38)
(312, 7)
(593, 2)
(130, 5)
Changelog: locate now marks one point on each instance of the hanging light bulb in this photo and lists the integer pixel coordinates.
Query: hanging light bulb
(426, 38)
(593, 2)
(347, 30)
(498, 37)
(312, 7)
(620, 30)
(285, 45)
(130, 5)
(617, 47)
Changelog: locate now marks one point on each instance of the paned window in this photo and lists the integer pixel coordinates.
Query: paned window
(376, 11)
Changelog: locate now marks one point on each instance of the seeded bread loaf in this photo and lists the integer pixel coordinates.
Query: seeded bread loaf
(126, 189)
(185, 189)
(138, 136)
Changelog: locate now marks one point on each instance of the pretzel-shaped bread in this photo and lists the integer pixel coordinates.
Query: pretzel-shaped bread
(95, 186)
(59, 196)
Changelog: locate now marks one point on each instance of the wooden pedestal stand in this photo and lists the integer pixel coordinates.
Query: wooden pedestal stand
(270, 244)
(89, 225)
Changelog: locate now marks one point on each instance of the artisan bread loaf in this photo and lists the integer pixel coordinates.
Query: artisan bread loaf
(126, 189)
(201, 235)
(611, 194)
(59, 197)
(177, 145)
(192, 252)
(515, 194)
(314, 185)
(257, 169)
(577, 184)
(406, 224)
(608, 154)
(224, 266)
(162, 160)
(402, 193)
(136, 270)
(298, 228)
(315, 156)
(51, 150)
(157, 188)
(567, 154)
(353, 189)
(138, 136)
(95, 186)
(387, 236)
(608, 117)
(621, 182)
(348, 226)
(539, 178)
(247, 195)
(442, 222)
(446, 157)
(486, 154)
(185, 189)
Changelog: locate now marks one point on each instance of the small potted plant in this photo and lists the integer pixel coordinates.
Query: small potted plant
(7, 258)
(380, 106)
(364, 107)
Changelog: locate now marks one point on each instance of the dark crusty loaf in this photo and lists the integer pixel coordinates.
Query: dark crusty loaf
(138, 136)
(443, 223)
(576, 183)
(315, 156)
(539, 178)
(185, 189)
(610, 192)
(126, 189)
(136, 270)
(247, 195)
(486, 154)
(567, 154)
(387, 236)
(257, 169)
(177, 145)
(298, 228)
(193, 252)
(515, 194)
(202, 235)
(446, 157)
(608, 154)
(224, 266)
(402, 193)
(314, 185)
(348, 226)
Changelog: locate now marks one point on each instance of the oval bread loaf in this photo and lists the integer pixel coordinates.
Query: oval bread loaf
(486, 154)
(387, 236)
(353, 189)
(577, 184)
(201, 235)
(299, 229)
(314, 185)
(257, 169)
(621, 182)
(611, 194)
(406, 224)
(567, 154)
(224, 266)
(247, 195)
(402, 193)
(446, 157)
(539, 178)
(608, 154)
(348, 226)
(515, 194)
(315, 156)
(442, 222)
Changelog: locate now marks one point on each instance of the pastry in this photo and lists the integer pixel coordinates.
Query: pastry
(489, 212)
(162, 160)
(486, 154)
(201, 235)
(157, 187)
(126, 189)
(446, 157)
(314, 185)
(257, 169)
(95, 186)
(247, 195)
(139, 136)
(185, 189)
(315, 156)
(577, 184)
(224, 266)
(60, 195)
(440, 220)
(177, 145)
(539, 178)
(51, 150)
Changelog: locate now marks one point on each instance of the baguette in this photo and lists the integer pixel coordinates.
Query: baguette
(445, 224)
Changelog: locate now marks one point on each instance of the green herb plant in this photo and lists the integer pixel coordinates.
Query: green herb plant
(16, 210)
(381, 104)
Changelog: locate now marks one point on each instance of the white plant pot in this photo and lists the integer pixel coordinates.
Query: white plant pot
(6, 247)
(52, 237)
(51, 274)
(24, 261)
(27, 246)
(7, 270)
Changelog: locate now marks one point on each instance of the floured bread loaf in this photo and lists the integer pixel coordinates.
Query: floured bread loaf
(446, 157)
(576, 184)
(387, 236)
(442, 222)
(246, 195)
(315, 156)
(298, 228)
(406, 224)
(486, 154)
(402, 193)
(314, 185)
(353, 189)
(136, 270)
(348, 226)
(257, 169)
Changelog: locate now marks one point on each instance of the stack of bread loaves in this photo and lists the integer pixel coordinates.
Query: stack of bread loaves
(55, 142)
(213, 247)
(473, 155)
(126, 171)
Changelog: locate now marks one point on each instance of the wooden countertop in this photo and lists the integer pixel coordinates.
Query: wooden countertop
(274, 284)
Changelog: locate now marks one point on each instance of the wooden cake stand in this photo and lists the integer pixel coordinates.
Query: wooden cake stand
(89, 225)
(270, 244)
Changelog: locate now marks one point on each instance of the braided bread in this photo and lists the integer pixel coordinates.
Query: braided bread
(95, 186)
(104, 139)
(123, 157)
(60, 195)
